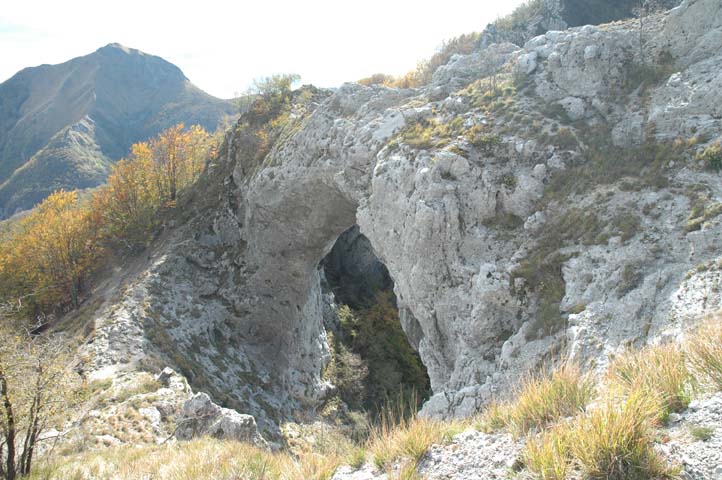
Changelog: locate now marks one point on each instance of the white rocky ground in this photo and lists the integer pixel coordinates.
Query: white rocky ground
(700, 458)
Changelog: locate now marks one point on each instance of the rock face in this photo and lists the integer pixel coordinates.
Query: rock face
(63, 125)
(200, 416)
(541, 16)
(546, 218)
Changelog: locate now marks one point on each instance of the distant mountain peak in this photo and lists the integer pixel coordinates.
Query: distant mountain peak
(120, 48)
(128, 94)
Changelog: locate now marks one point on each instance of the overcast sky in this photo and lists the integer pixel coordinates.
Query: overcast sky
(221, 46)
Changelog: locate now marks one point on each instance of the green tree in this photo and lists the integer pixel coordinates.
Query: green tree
(271, 94)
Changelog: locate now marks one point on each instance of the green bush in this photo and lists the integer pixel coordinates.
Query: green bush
(700, 433)
(271, 95)
(712, 157)
(373, 361)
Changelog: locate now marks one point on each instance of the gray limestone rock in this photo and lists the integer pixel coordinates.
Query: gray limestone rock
(232, 298)
(200, 416)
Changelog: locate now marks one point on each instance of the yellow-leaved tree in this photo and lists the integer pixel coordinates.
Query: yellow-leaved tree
(151, 179)
(50, 252)
(46, 256)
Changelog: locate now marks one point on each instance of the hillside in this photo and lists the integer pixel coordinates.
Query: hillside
(529, 242)
(62, 126)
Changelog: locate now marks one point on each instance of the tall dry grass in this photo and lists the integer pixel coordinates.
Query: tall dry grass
(660, 370)
(402, 437)
(612, 441)
(704, 349)
(542, 400)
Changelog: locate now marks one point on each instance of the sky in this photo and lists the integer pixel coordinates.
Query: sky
(221, 46)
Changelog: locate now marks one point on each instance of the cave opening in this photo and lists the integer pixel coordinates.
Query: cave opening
(372, 362)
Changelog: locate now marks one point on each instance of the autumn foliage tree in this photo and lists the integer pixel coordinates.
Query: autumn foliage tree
(47, 256)
(148, 181)
(49, 253)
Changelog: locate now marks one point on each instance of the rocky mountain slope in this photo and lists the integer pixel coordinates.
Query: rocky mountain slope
(536, 17)
(63, 125)
(533, 202)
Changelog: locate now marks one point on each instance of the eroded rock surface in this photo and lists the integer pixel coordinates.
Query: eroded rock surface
(200, 417)
(507, 243)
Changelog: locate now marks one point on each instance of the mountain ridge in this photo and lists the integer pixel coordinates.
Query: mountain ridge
(123, 94)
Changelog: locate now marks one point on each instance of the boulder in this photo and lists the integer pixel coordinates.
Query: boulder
(201, 417)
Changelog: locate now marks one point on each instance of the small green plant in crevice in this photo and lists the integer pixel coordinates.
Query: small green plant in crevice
(505, 221)
(508, 180)
(565, 138)
(711, 157)
(603, 163)
(701, 213)
(625, 225)
(630, 278)
(556, 111)
(447, 175)
(494, 94)
(485, 142)
(430, 133)
(643, 75)
(543, 274)
(701, 433)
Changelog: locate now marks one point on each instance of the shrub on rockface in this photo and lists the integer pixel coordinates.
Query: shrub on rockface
(711, 157)
(271, 95)
(389, 364)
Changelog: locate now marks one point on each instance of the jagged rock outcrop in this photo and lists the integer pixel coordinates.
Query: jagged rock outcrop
(537, 17)
(545, 218)
(200, 416)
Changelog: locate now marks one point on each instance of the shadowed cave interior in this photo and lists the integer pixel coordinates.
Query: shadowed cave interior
(372, 362)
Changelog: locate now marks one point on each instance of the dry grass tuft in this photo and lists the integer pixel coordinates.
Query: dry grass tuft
(400, 438)
(659, 370)
(542, 400)
(705, 354)
(547, 455)
(613, 441)
(198, 459)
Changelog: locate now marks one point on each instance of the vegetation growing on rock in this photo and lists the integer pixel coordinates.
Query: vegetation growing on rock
(48, 255)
